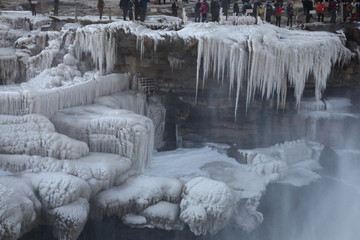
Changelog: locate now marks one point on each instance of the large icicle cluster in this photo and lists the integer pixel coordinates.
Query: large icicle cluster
(261, 58)
(266, 59)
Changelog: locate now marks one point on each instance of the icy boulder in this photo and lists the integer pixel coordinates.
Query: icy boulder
(135, 195)
(137, 102)
(69, 220)
(207, 205)
(128, 100)
(290, 162)
(100, 170)
(35, 135)
(19, 207)
(164, 215)
(57, 199)
(110, 131)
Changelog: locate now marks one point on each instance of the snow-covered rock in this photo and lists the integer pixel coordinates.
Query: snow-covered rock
(206, 205)
(109, 130)
(100, 170)
(35, 135)
(135, 195)
(20, 209)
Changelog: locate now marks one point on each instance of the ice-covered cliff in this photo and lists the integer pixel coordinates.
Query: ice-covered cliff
(75, 137)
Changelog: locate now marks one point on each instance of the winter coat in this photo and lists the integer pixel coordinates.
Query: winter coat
(320, 7)
(236, 8)
(197, 7)
(143, 4)
(124, 4)
(290, 9)
(333, 6)
(204, 7)
(278, 11)
(100, 5)
(214, 7)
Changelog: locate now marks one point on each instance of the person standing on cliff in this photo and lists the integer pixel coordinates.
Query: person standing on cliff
(333, 8)
(143, 9)
(204, 8)
(197, 11)
(56, 7)
(215, 10)
(174, 8)
(124, 5)
(236, 9)
(33, 4)
(100, 7)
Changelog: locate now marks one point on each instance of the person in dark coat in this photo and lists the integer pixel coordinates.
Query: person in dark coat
(236, 9)
(136, 9)
(333, 8)
(308, 6)
(215, 10)
(143, 9)
(269, 11)
(100, 7)
(225, 7)
(124, 5)
(56, 7)
(33, 4)
(174, 8)
(197, 11)
(245, 7)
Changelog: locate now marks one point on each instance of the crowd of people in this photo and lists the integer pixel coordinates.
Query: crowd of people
(349, 9)
(136, 10)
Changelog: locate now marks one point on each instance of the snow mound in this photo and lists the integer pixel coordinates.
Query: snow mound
(109, 130)
(35, 135)
(206, 205)
(138, 103)
(68, 221)
(292, 162)
(100, 170)
(135, 195)
(19, 207)
(164, 215)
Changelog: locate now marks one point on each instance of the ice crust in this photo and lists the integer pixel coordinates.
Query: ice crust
(35, 135)
(109, 130)
(135, 195)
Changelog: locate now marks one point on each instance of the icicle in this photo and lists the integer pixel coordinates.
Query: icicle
(184, 17)
(200, 50)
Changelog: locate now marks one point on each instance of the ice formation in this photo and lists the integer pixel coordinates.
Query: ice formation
(35, 135)
(135, 195)
(206, 205)
(52, 178)
(245, 55)
(109, 130)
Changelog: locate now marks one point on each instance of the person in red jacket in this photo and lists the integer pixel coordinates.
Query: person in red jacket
(278, 12)
(320, 9)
